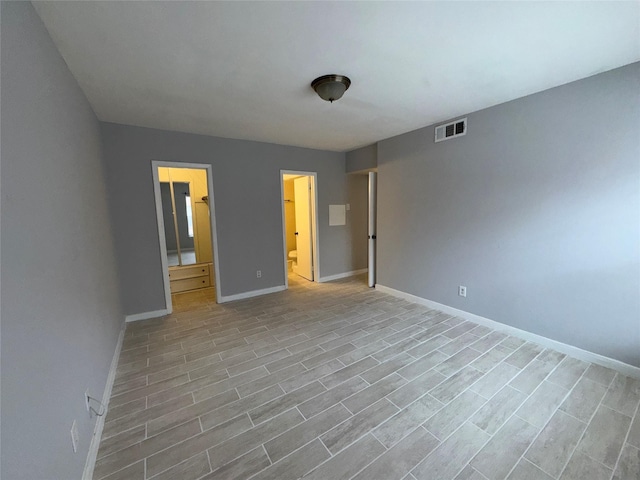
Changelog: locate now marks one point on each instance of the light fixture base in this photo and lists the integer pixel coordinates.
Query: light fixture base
(331, 87)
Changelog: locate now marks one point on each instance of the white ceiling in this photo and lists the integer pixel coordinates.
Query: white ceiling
(243, 69)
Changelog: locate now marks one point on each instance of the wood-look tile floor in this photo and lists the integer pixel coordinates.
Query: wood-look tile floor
(338, 381)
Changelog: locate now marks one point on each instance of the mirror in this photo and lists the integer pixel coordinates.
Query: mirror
(178, 223)
(186, 217)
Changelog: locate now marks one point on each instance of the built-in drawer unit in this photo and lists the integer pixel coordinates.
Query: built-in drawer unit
(185, 284)
(189, 271)
(190, 277)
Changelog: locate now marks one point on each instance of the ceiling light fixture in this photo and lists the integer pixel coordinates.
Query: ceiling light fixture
(331, 87)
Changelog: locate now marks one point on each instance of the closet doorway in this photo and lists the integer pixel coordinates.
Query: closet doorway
(186, 228)
(299, 220)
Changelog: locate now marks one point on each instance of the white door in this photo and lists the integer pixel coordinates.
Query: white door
(302, 198)
(372, 228)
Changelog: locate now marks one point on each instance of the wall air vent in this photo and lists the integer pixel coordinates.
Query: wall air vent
(451, 130)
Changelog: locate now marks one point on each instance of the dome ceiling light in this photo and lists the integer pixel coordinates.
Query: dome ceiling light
(331, 87)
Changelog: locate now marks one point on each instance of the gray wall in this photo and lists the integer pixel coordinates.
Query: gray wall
(362, 159)
(246, 181)
(536, 210)
(358, 218)
(60, 308)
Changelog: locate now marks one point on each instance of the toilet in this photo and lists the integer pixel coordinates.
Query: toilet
(292, 262)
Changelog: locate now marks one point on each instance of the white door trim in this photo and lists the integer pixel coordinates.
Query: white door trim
(314, 222)
(155, 164)
(372, 227)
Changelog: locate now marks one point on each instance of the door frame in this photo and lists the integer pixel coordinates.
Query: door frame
(314, 222)
(372, 228)
(155, 164)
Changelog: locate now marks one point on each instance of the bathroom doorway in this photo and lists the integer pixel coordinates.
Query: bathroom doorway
(299, 219)
(186, 229)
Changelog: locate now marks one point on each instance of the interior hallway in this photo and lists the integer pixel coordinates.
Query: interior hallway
(338, 381)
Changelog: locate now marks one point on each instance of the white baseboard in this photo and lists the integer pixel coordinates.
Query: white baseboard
(252, 293)
(352, 273)
(97, 431)
(146, 315)
(575, 352)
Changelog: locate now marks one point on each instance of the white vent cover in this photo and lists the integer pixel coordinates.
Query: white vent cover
(451, 130)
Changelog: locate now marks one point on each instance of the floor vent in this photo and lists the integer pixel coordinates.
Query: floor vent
(451, 130)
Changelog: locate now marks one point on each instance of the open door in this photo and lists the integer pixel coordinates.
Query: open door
(302, 194)
(372, 228)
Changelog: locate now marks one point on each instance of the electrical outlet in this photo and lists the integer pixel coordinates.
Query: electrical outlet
(462, 291)
(258, 273)
(348, 206)
(75, 438)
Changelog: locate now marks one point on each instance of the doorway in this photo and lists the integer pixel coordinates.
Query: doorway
(299, 220)
(186, 229)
